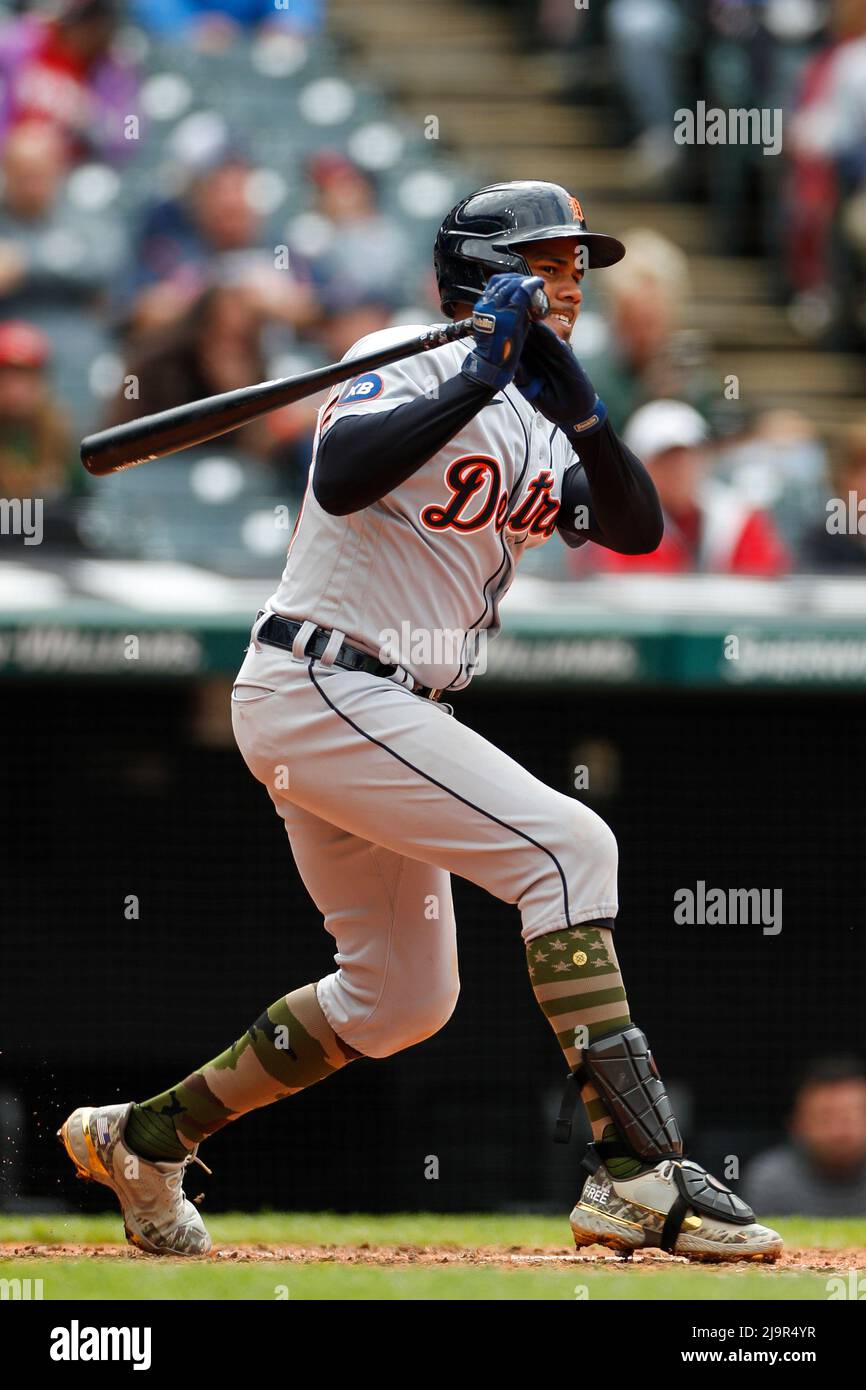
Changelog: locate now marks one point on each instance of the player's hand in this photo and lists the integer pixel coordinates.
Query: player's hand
(500, 320)
(551, 377)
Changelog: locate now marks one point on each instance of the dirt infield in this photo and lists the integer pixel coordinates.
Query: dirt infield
(815, 1259)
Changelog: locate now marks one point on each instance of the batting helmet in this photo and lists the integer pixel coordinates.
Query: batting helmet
(479, 236)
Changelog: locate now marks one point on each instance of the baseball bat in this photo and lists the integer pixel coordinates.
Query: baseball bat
(183, 426)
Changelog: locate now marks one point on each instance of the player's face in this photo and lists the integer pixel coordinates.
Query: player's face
(559, 264)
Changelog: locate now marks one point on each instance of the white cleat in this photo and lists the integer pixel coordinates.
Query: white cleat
(629, 1214)
(157, 1217)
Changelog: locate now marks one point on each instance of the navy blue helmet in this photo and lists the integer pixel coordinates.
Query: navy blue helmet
(482, 235)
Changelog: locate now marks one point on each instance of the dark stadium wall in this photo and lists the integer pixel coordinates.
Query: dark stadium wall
(113, 798)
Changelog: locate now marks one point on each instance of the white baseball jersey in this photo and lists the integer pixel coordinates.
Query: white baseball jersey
(439, 552)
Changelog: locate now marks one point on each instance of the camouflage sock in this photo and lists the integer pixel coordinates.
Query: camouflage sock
(576, 979)
(289, 1047)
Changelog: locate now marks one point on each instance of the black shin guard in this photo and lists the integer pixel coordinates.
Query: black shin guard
(621, 1068)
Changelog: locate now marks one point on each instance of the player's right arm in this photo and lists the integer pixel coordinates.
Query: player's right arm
(364, 456)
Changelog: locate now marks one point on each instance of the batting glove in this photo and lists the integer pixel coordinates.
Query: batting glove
(551, 377)
(499, 321)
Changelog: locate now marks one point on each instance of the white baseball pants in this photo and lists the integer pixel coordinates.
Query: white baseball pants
(384, 795)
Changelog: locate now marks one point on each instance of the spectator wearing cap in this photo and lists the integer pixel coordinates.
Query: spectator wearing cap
(182, 240)
(65, 72)
(36, 451)
(820, 1169)
(708, 527)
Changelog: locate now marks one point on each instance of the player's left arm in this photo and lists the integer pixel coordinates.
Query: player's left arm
(607, 495)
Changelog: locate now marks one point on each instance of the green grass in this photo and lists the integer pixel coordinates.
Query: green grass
(74, 1278)
(398, 1228)
(103, 1279)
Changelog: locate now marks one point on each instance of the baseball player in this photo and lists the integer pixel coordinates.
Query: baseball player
(429, 480)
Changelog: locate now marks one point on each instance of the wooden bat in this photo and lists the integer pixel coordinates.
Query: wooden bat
(181, 427)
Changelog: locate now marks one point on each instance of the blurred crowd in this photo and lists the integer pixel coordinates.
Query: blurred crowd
(161, 240)
(806, 59)
(130, 283)
(744, 492)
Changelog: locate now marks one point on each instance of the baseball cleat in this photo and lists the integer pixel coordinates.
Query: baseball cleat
(653, 1209)
(157, 1217)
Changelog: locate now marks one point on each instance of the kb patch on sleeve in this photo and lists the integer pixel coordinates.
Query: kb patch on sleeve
(363, 388)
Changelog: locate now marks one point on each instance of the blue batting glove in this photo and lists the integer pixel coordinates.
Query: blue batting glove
(551, 377)
(500, 320)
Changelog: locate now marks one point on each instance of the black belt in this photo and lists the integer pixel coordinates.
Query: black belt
(281, 632)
